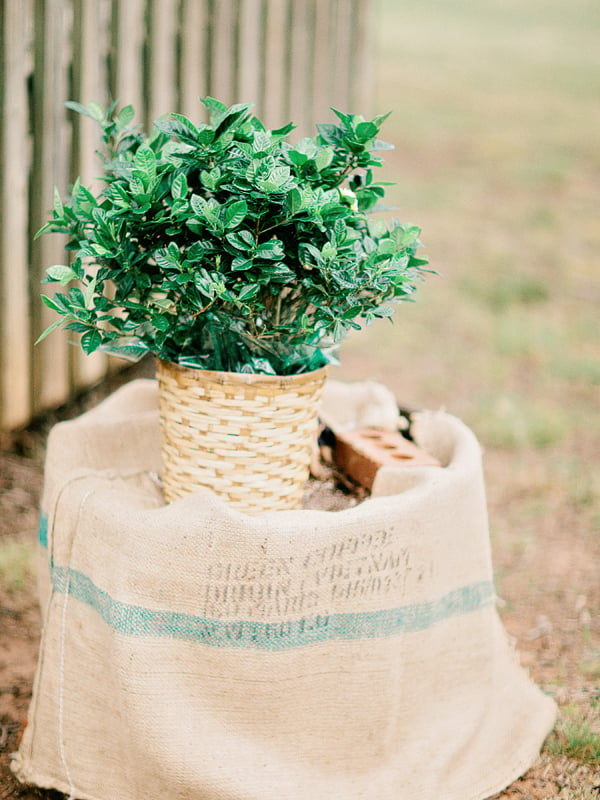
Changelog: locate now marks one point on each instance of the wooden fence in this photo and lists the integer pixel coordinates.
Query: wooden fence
(293, 58)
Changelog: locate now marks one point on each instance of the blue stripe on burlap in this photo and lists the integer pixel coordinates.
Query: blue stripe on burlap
(133, 620)
(43, 530)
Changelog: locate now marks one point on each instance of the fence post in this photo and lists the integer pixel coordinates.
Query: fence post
(89, 82)
(15, 336)
(49, 168)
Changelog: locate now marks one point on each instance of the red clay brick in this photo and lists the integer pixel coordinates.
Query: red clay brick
(359, 453)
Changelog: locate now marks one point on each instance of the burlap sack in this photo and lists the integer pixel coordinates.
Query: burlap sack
(193, 652)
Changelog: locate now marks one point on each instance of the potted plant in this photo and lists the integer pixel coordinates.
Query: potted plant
(240, 260)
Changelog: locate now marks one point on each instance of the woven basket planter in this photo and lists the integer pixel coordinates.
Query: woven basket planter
(246, 437)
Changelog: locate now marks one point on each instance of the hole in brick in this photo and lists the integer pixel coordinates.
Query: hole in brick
(371, 434)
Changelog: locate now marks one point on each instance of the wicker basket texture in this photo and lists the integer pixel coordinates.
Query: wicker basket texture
(247, 437)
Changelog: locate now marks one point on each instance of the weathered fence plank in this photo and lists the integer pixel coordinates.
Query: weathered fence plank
(223, 49)
(360, 64)
(299, 45)
(292, 58)
(273, 97)
(15, 335)
(249, 75)
(127, 54)
(161, 54)
(49, 169)
(193, 62)
(89, 81)
(323, 62)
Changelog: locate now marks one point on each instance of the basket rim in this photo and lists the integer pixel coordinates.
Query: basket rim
(219, 376)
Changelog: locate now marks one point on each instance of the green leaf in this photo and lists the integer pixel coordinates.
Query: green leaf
(347, 119)
(410, 235)
(77, 299)
(145, 160)
(198, 205)
(137, 187)
(329, 133)
(352, 312)
(378, 146)
(195, 227)
(53, 303)
(61, 274)
(261, 142)
(95, 111)
(381, 118)
(48, 330)
(378, 228)
(91, 341)
(88, 293)
(242, 240)
(235, 214)
(185, 122)
(206, 135)
(58, 206)
(164, 259)
(308, 197)
(125, 117)
(130, 350)
(271, 250)
(78, 327)
(204, 284)
(275, 180)
(324, 158)
(328, 251)
(78, 108)
(247, 237)
(248, 292)
(340, 231)
(316, 254)
(294, 201)
(210, 179)
(307, 147)
(241, 263)
(99, 250)
(179, 187)
(83, 196)
(161, 322)
(383, 311)
(366, 131)
(215, 108)
(280, 175)
(297, 158)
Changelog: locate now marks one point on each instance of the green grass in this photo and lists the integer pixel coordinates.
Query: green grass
(591, 667)
(513, 421)
(16, 567)
(507, 289)
(576, 738)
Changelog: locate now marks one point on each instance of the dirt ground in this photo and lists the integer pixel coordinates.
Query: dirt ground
(546, 604)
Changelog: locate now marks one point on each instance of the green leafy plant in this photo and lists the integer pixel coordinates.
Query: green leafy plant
(223, 246)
